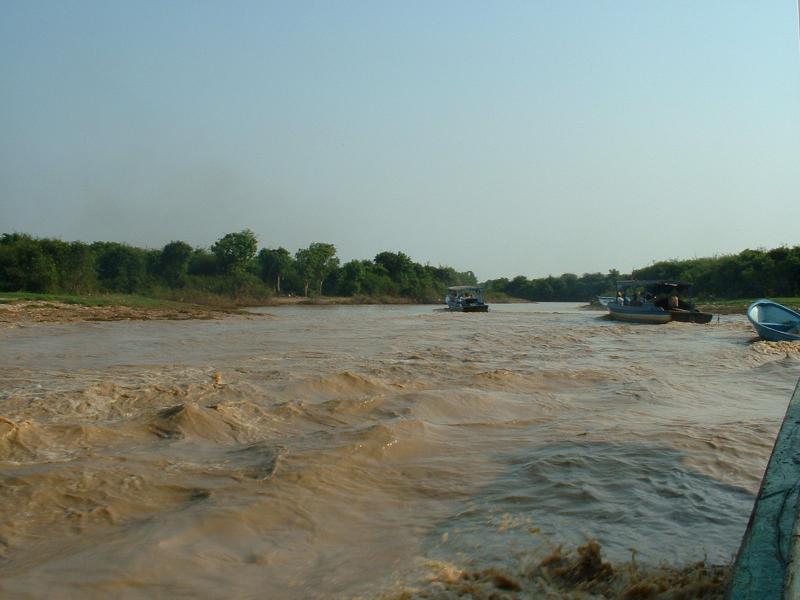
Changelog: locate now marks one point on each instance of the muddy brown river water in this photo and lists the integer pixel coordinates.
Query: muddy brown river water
(338, 452)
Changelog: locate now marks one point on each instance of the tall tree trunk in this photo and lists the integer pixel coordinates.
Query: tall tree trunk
(278, 284)
(305, 288)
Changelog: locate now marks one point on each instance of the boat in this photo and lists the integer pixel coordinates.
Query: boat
(768, 562)
(774, 322)
(465, 298)
(645, 312)
(655, 301)
(686, 310)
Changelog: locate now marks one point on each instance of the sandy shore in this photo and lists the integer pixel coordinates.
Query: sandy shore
(18, 312)
(37, 311)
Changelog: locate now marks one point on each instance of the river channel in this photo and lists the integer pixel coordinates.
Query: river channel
(339, 452)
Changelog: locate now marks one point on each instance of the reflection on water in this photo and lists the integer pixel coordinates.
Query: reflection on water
(343, 451)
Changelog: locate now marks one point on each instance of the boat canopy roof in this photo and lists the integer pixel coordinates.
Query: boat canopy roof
(654, 284)
(464, 288)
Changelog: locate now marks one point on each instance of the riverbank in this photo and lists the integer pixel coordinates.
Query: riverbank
(739, 306)
(20, 308)
(27, 307)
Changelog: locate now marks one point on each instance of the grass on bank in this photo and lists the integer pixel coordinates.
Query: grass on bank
(195, 299)
(739, 305)
(192, 299)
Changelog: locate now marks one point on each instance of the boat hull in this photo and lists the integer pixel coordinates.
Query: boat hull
(478, 308)
(766, 565)
(774, 322)
(469, 308)
(691, 316)
(638, 314)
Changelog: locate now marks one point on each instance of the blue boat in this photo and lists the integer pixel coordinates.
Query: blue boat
(643, 312)
(774, 322)
(635, 302)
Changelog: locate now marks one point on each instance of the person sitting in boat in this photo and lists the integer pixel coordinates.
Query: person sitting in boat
(620, 298)
(674, 300)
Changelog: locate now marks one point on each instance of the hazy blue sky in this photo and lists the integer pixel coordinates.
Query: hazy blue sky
(503, 137)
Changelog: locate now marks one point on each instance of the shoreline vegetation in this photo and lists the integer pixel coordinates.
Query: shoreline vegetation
(42, 277)
(739, 306)
(232, 272)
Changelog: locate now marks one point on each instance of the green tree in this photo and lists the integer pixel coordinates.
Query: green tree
(234, 251)
(496, 285)
(76, 268)
(24, 265)
(274, 265)
(120, 268)
(202, 263)
(315, 263)
(173, 263)
(398, 264)
(519, 287)
(352, 277)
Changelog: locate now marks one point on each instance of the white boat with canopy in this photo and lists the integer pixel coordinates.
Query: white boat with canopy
(465, 298)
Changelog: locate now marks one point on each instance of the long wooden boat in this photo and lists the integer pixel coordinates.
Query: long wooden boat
(768, 562)
(646, 312)
(774, 322)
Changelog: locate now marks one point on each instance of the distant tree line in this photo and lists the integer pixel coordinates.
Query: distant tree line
(565, 288)
(233, 267)
(749, 274)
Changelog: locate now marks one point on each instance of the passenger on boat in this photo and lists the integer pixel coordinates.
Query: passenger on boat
(674, 300)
